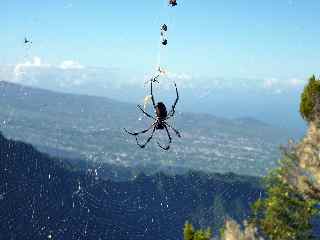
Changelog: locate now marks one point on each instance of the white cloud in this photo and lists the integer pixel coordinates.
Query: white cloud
(31, 72)
(279, 86)
(183, 76)
(69, 64)
(21, 67)
(295, 82)
(270, 82)
(73, 73)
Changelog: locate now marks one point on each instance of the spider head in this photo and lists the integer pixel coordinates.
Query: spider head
(161, 111)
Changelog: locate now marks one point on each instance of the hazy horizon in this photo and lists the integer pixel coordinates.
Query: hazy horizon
(259, 54)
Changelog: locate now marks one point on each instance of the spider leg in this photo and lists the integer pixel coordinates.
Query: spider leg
(148, 140)
(172, 111)
(155, 79)
(152, 98)
(170, 140)
(145, 113)
(137, 133)
(175, 130)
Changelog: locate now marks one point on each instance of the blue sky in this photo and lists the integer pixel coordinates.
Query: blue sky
(234, 38)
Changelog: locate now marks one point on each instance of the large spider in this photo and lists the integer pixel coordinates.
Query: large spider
(160, 120)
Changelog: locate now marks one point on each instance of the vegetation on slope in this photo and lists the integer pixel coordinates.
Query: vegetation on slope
(290, 210)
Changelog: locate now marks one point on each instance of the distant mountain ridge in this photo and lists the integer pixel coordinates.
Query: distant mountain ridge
(271, 101)
(42, 198)
(92, 127)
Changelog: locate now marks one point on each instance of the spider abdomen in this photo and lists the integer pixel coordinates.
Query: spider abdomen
(161, 111)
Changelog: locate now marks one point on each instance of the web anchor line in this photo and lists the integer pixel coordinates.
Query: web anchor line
(161, 115)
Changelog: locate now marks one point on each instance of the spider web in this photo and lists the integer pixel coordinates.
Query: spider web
(40, 200)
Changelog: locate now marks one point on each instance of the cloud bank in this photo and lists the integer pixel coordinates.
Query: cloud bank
(69, 64)
(71, 73)
(21, 68)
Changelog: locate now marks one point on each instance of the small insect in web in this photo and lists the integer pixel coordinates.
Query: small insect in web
(27, 45)
(164, 42)
(160, 72)
(173, 3)
(26, 41)
(160, 120)
(164, 27)
(163, 30)
(146, 101)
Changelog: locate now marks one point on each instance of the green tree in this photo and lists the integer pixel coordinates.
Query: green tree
(188, 231)
(202, 234)
(284, 214)
(191, 234)
(309, 98)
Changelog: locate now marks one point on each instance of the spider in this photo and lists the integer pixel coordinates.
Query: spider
(160, 120)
